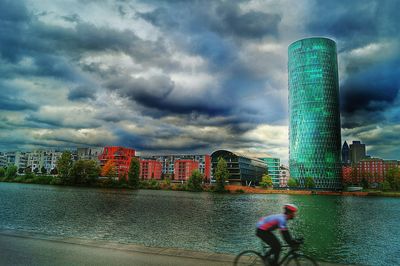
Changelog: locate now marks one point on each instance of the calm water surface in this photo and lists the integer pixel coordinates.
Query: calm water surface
(360, 230)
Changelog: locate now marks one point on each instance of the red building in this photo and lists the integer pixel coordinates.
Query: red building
(374, 170)
(150, 169)
(183, 169)
(120, 156)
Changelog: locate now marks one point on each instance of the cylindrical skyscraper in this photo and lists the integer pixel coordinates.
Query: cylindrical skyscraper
(314, 130)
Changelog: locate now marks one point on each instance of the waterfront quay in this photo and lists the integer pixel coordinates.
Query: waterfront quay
(22, 248)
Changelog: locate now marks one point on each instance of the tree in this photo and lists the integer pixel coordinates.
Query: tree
(85, 172)
(133, 173)
(2, 172)
(64, 166)
(266, 181)
(292, 183)
(11, 171)
(54, 171)
(20, 170)
(36, 170)
(221, 175)
(309, 182)
(364, 182)
(386, 186)
(109, 169)
(43, 170)
(195, 180)
(393, 177)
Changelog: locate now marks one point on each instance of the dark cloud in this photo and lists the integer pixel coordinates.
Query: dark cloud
(15, 104)
(81, 93)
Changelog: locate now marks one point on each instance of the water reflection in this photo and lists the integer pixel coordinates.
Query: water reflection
(338, 229)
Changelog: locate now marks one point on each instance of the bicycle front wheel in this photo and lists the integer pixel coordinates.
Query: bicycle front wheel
(301, 260)
(249, 257)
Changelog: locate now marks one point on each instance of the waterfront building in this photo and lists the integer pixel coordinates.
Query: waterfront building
(168, 163)
(242, 169)
(42, 161)
(89, 153)
(150, 169)
(184, 169)
(345, 153)
(3, 160)
(284, 176)
(373, 170)
(357, 152)
(314, 128)
(273, 166)
(120, 156)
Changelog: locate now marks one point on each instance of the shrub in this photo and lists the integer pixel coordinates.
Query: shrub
(266, 181)
(239, 191)
(195, 180)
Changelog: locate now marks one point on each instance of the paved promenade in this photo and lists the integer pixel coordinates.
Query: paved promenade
(19, 248)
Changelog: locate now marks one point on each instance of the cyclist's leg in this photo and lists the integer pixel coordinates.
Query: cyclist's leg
(269, 238)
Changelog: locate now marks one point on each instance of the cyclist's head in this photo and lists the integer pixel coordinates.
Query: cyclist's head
(290, 210)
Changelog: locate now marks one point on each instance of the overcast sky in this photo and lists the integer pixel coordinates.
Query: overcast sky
(188, 76)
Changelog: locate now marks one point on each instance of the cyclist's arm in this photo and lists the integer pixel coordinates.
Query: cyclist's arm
(288, 238)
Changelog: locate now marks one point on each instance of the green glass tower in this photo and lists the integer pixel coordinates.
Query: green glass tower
(314, 130)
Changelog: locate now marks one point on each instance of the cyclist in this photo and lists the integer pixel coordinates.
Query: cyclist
(267, 224)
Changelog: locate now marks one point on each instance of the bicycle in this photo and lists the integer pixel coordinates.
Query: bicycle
(293, 257)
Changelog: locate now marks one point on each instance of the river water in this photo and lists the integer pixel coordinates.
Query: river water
(357, 230)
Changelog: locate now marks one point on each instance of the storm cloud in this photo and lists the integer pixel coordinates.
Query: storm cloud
(185, 76)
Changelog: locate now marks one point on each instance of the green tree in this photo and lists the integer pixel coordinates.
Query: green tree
(54, 171)
(84, 172)
(309, 182)
(386, 186)
(292, 183)
(43, 170)
(266, 181)
(133, 173)
(2, 172)
(364, 182)
(21, 170)
(221, 175)
(11, 171)
(195, 180)
(36, 170)
(393, 177)
(64, 166)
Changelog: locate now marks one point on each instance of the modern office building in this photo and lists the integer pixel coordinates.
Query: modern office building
(357, 152)
(314, 129)
(345, 154)
(242, 169)
(273, 166)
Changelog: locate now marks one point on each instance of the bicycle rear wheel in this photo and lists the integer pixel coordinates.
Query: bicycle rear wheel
(249, 257)
(301, 260)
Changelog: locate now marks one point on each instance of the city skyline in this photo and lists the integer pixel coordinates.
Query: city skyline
(188, 77)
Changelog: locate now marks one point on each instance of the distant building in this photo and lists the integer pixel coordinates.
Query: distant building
(242, 169)
(345, 154)
(183, 169)
(273, 166)
(120, 156)
(168, 163)
(150, 169)
(373, 170)
(284, 176)
(89, 153)
(357, 152)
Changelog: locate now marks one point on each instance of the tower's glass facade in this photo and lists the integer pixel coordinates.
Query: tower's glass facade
(314, 131)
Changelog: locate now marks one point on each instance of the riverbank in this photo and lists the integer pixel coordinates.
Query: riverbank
(23, 248)
(163, 185)
(257, 190)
